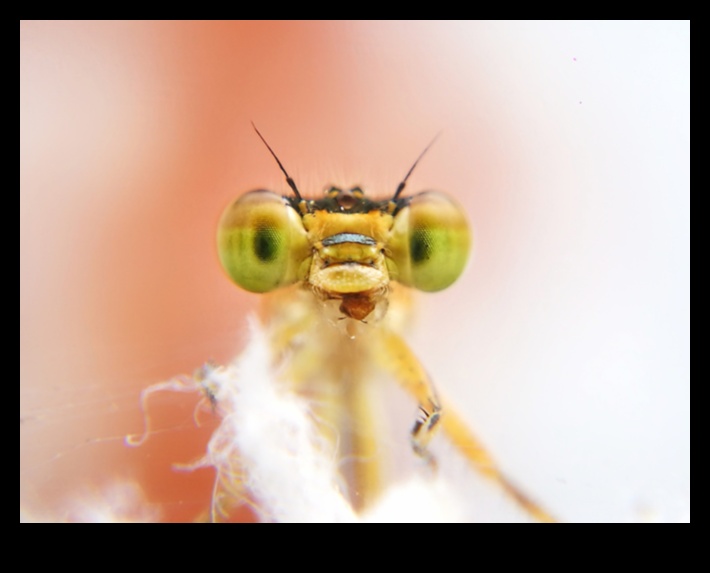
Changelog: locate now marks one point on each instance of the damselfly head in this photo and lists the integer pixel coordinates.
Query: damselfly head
(343, 244)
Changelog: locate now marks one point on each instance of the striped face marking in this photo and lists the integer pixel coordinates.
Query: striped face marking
(348, 238)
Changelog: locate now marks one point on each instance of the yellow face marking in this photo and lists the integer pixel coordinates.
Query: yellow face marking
(322, 224)
(348, 252)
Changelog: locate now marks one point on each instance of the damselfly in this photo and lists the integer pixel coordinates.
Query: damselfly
(339, 270)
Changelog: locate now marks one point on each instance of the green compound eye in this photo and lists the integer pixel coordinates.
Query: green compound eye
(430, 241)
(262, 243)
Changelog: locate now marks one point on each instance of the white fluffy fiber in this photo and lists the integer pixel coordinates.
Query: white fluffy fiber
(267, 441)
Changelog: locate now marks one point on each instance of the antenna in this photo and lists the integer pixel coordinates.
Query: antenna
(400, 187)
(290, 181)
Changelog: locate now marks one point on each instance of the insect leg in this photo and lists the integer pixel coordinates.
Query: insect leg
(472, 449)
(365, 468)
(396, 357)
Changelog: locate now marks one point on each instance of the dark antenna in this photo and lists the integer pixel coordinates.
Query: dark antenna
(400, 187)
(290, 181)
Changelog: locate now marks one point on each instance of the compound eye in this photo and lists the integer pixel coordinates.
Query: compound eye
(262, 243)
(430, 242)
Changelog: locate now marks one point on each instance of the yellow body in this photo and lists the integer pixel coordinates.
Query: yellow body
(338, 270)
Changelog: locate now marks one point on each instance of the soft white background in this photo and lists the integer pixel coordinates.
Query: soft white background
(566, 343)
(577, 360)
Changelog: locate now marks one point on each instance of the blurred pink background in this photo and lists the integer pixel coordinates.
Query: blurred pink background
(566, 343)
